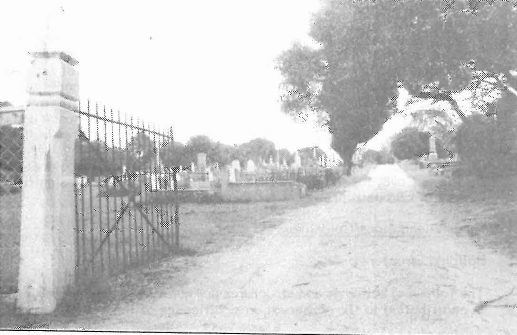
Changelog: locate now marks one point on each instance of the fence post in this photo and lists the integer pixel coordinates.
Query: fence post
(47, 244)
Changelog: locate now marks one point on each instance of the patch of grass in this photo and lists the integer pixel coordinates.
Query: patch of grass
(483, 209)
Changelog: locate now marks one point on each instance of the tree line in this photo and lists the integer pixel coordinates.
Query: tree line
(435, 48)
(96, 158)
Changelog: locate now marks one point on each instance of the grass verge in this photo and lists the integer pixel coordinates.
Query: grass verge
(485, 210)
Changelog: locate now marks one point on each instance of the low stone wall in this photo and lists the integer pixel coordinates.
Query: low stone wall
(263, 191)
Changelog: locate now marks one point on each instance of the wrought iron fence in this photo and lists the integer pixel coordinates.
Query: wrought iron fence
(11, 166)
(126, 209)
(11, 153)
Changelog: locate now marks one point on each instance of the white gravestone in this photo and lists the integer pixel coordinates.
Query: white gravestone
(432, 148)
(201, 162)
(297, 161)
(250, 166)
(231, 176)
(236, 165)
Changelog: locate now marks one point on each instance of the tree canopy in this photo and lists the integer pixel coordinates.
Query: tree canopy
(258, 149)
(410, 144)
(366, 47)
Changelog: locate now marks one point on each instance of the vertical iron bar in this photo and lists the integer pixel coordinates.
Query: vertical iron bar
(90, 189)
(76, 194)
(128, 172)
(176, 210)
(133, 184)
(176, 202)
(138, 232)
(170, 178)
(106, 186)
(162, 226)
(83, 223)
(152, 206)
(115, 184)
(167, 230)
(153, 232)
(77, 247)
(99, 187)
(122, 219)
(147, 180)
(143, 177)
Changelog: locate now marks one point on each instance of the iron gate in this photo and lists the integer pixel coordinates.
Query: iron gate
(123, 171)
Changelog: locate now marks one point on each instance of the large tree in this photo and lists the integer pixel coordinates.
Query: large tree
(175, 154)
(366, 47)
(258, 149)
(216, 152)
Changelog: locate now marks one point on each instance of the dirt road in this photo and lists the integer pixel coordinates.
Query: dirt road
(375, 258)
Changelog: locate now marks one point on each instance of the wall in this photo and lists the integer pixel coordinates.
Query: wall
(263, 191)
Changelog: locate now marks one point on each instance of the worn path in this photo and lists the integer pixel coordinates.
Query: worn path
(374, 258)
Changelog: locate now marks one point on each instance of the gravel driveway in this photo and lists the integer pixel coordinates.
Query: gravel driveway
(375, 258)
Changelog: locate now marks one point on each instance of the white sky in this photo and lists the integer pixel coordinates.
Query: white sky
(204, 67)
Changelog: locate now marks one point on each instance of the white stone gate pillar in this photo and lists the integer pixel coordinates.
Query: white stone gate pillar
(47, 244)
(432, 148)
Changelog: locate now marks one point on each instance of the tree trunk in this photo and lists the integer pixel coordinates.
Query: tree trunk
(349, 169)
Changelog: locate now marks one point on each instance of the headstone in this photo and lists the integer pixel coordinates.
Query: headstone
(224, 179)
(432, 143)
(154, 182)
(297, 161)
(250, 166)
(232, 178)
(432, 148)
(236, 165)
(201, 162)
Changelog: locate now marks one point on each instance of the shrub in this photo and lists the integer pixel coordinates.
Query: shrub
(370, 157)
(487, 147)
(312, 181)
(332, 176)
(410, 144)
(377, 157)
(385, 157)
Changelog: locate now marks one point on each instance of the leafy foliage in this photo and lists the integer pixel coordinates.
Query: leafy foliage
(310, 156)
(174, 154)
(284, 154)
(487, 147)
(367, 46)
(410, 143)
(323, 178)
(258, 149)
(95, 158)
(377, 157)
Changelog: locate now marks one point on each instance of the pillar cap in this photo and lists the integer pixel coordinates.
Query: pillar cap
(55, 54)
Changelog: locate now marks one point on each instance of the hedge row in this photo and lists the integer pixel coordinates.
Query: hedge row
(318, 181)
